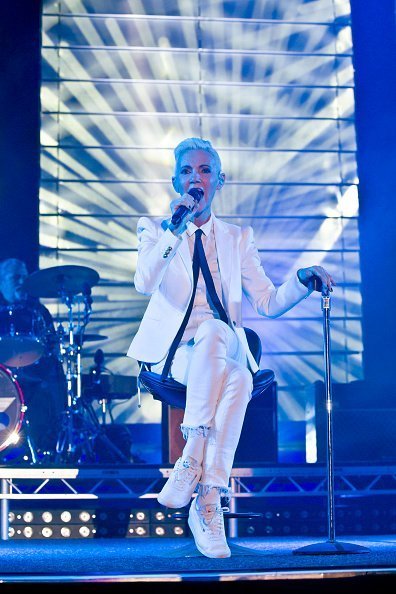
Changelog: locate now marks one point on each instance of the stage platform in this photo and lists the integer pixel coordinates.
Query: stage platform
(176, 564)
(51, 529)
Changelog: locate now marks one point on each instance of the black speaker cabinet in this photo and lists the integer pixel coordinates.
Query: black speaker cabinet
(259, 437)
(364, 423)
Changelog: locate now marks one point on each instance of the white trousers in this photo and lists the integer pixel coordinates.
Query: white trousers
(219, 386)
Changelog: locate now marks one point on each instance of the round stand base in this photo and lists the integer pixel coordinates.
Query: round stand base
(331, 548)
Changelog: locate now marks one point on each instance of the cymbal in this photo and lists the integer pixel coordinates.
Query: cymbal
(60, 280)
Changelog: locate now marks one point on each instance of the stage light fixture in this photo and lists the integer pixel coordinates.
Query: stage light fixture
(121, 516)
(141, 531)
(27, 532)
(65, 516)
(84, 516)
(160, 531)
(84, 531)
(65, 531)
(102, 531)
(160, 516)
(178, 530)
(267, 529)
(141, 516)
(47, 517)
(28, 517)
(47, 532)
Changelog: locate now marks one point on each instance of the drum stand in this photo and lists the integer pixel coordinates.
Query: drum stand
(331, 546)
(74, 442)
(80, 426)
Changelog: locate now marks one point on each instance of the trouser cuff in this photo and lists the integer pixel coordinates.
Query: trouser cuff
(204, 489)
(201, 431)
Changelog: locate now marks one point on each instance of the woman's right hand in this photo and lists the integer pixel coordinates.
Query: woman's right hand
(184, 200)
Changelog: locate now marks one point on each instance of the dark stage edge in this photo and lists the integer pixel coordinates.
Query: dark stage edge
(171, 561)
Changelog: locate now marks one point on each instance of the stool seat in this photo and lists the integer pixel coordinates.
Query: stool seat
(173, 393)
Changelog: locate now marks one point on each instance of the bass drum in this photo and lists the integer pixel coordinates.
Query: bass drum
(12, 407)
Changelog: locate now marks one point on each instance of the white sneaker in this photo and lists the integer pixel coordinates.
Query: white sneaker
(180, 486)
(207, 526)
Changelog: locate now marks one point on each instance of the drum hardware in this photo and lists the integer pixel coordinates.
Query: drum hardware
(80, 428)
(105, 388)
(88, 431)
(77, 432)
(102, 385)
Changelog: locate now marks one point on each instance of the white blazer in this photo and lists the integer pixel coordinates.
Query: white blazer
(164, 271)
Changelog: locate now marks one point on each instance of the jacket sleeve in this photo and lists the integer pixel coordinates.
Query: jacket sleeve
(156, 248)
(266, 300)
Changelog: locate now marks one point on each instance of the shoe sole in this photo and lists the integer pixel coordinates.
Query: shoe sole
(166, 503)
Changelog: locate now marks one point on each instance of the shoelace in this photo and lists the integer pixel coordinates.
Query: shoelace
(213, 519)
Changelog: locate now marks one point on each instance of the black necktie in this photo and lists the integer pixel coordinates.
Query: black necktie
(199, 261)
(208, 277)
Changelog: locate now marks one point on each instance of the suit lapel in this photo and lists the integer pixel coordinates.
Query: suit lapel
(184, 253)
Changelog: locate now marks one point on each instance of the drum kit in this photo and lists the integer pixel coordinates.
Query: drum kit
(24, 341)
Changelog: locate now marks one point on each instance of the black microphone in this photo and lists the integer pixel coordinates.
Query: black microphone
(181, 212)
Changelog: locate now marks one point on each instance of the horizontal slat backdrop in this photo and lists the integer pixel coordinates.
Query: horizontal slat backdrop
(271, 84)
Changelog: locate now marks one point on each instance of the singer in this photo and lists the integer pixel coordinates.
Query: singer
(195, 267)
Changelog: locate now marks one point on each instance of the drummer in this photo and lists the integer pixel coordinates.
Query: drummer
(43, 383)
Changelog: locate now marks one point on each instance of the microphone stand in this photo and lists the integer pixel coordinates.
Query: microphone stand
(331, 546)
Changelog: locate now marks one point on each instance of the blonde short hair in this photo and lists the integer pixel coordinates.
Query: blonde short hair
(191, 144)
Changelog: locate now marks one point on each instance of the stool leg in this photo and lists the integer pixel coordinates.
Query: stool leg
(233, 522)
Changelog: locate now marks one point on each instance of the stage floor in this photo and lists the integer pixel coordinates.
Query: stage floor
(176, 561)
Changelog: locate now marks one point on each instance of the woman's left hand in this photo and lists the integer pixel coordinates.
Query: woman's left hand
(307, 274)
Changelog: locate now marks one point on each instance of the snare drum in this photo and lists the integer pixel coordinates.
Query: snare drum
(12, 408)
(22, 335)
